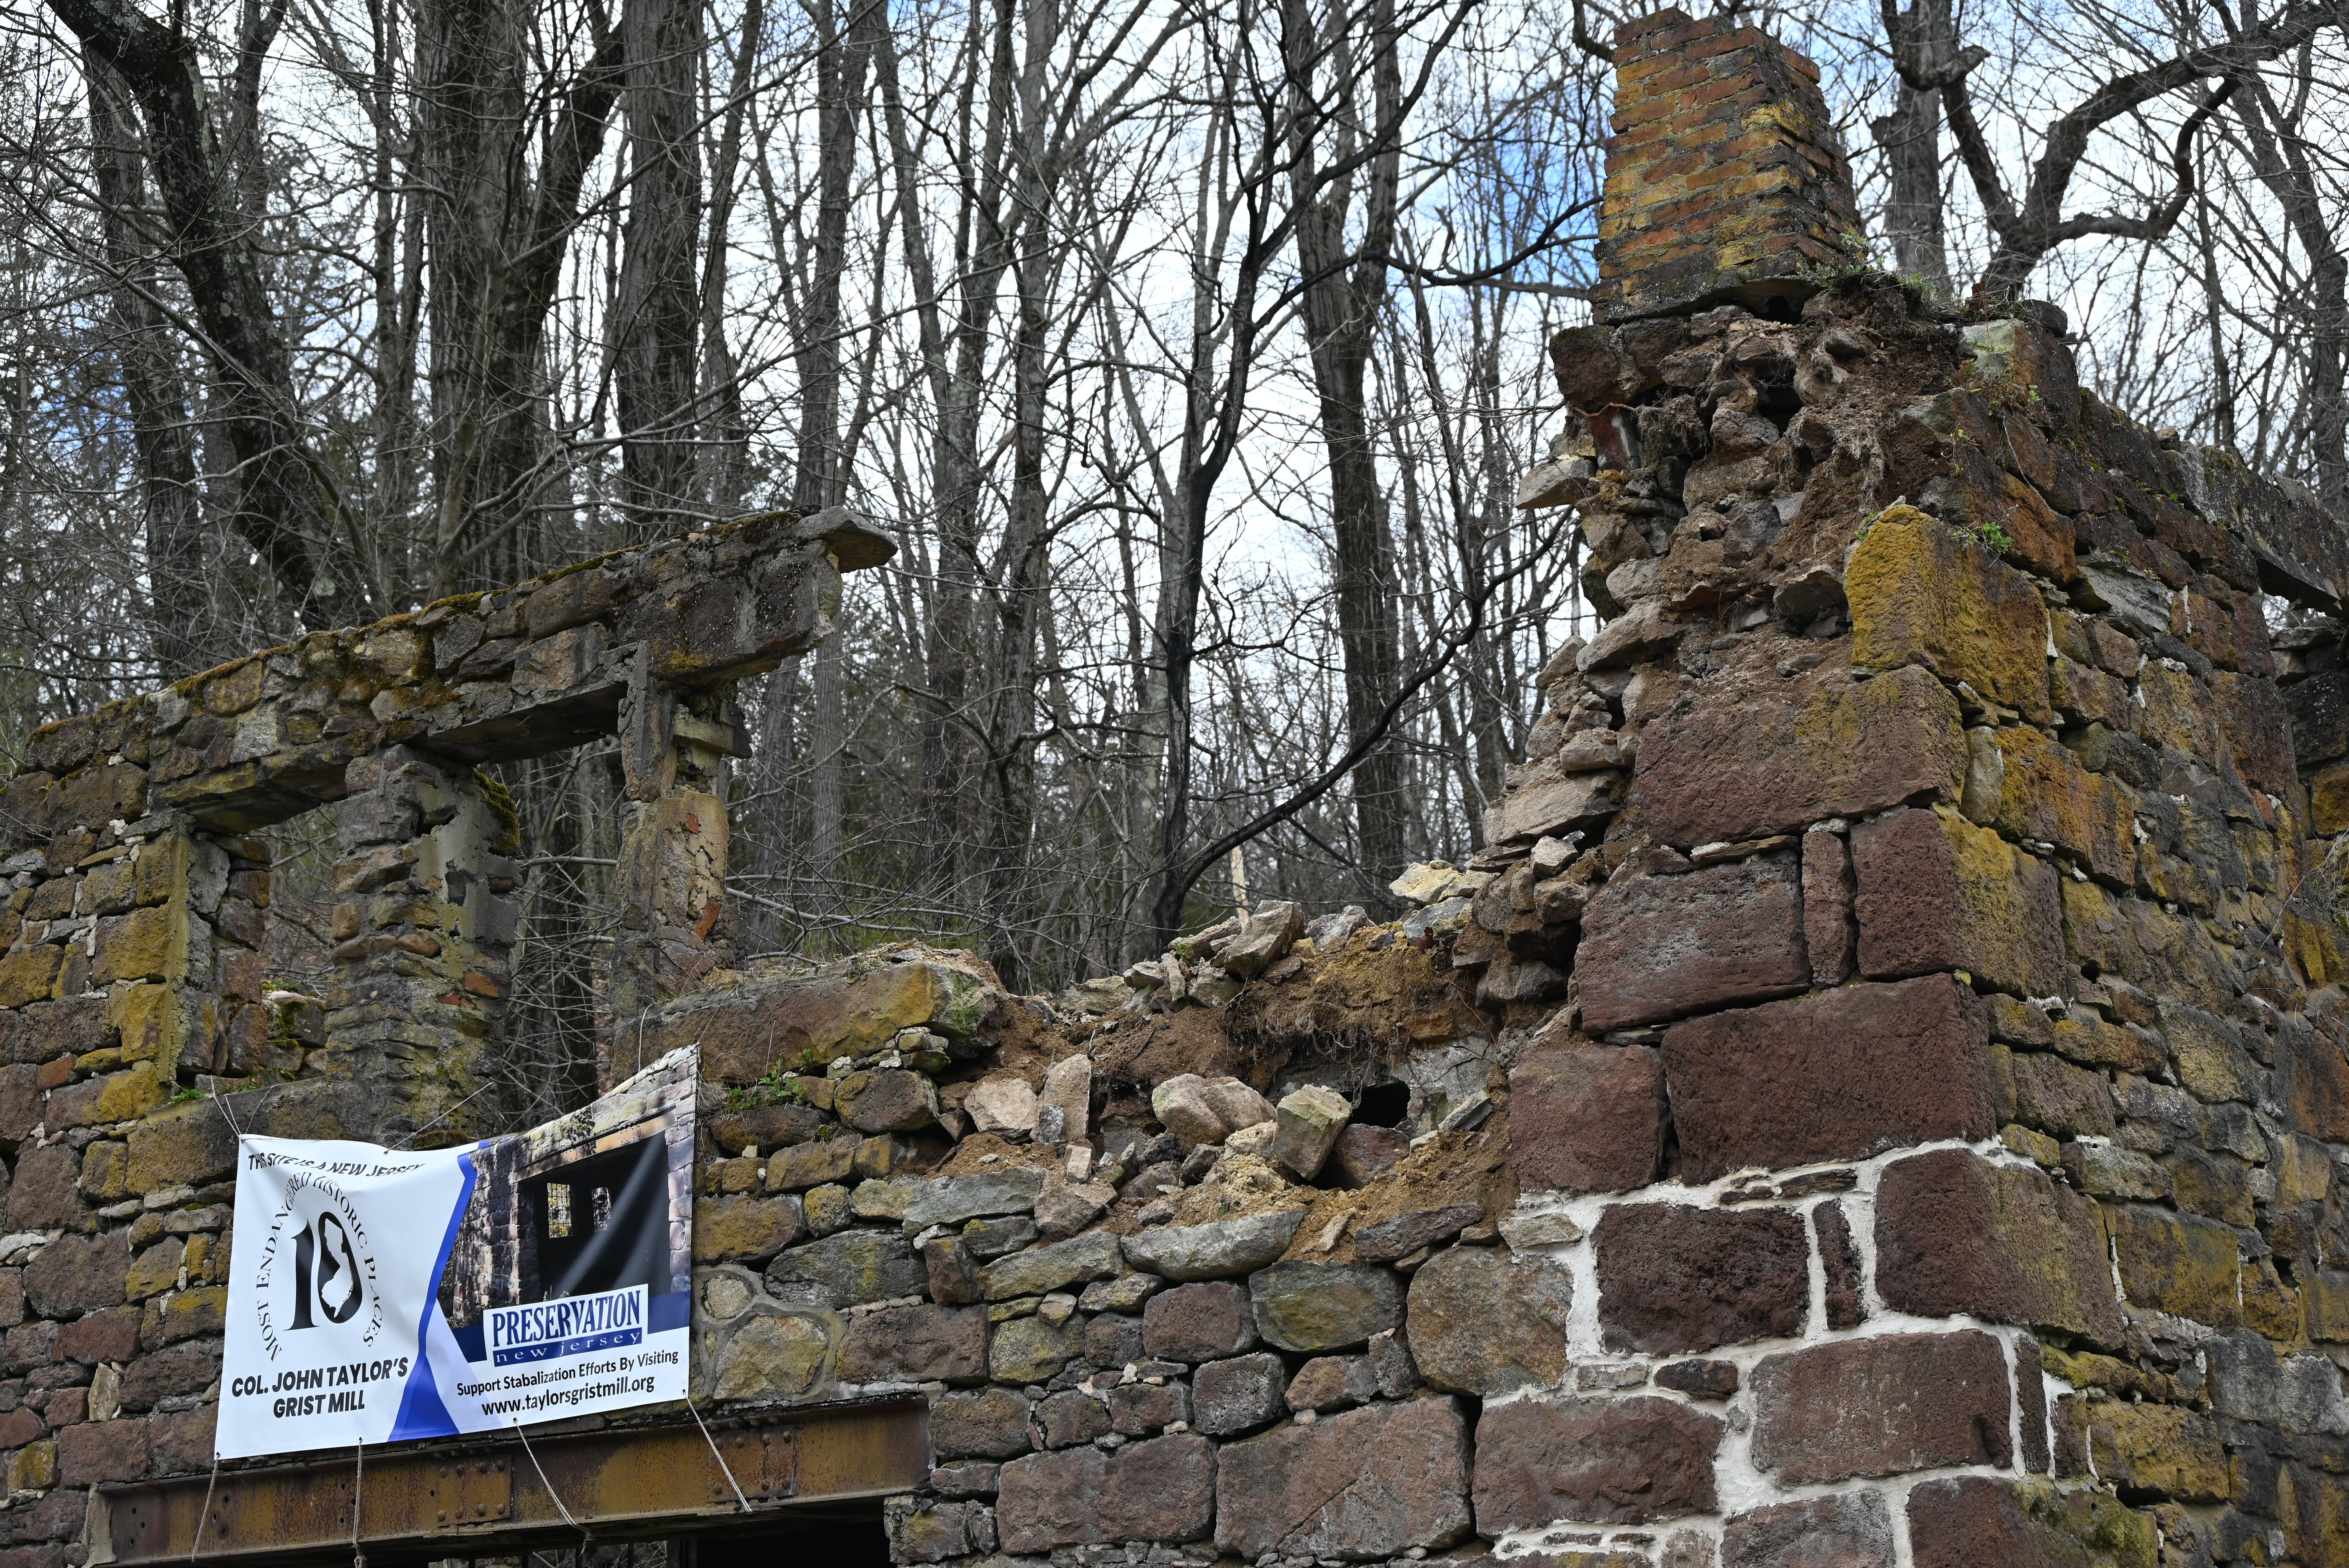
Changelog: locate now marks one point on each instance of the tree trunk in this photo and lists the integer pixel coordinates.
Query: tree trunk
(281, 507)
(1343, 295)
(180, 616)
(1911, 138)
(657, 318)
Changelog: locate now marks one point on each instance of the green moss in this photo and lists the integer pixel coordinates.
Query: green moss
(500, 801)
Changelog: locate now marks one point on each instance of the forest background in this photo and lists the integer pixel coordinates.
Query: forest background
(1192, 349)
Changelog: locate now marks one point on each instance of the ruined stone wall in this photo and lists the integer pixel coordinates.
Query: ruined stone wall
(139, 1026)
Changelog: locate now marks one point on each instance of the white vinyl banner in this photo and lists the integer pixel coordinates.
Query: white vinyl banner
(337, 1331)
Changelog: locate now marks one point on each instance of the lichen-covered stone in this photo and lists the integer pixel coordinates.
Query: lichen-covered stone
(1921, 594)
(1314, 1308)
(1485, 1324)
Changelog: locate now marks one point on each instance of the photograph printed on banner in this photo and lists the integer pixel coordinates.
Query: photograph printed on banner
(376, 1295)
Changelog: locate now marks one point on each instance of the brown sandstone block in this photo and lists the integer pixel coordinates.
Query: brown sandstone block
(1937, 893)
(97, 1452)
(1846, 749)
(1162, 1489)
(1207, 1321)
(110, 1334)
(1370, 1484)
(75, 1274)
(179, 1369)
(1965, 1522)
(1838, 1075)
(1827, 931)
(1922, 594)
(749, 1230)
(1587, 1119)
(985, 1424)
(1674, 1278)
(2061, 1100)
(45, 1194)
(2157, 1450)
(915, 1345)
(1880, 1407)
(1483, 1321)
(1839, 1262)
(2180, 1264)
(1605, 1462)
(1853, 1530)
(1654, 947)
(1955, 1235)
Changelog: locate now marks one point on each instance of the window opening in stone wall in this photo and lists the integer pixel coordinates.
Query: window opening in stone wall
(600, 1226)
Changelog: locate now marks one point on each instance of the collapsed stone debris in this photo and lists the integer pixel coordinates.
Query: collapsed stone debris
(1879, 1096)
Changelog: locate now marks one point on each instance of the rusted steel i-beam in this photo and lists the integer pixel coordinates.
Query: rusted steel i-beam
(487, 1497)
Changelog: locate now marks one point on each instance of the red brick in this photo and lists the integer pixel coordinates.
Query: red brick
(1587, 1119)
(1654, 947)
(1883, 1405)
(1955, 1235)
(1839, 1074)
(1674, 1278)
(1605, 1462)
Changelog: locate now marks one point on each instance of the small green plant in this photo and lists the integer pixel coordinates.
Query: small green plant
(774, 1087)
(187, 1096)
(1990, 533)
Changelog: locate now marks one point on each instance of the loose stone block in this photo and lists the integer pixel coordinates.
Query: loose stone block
(1937, 893)
(951, 1200)
(1309, 1122)
(1050, 1268)
(1654, 947)
(1314, 1308)
(1367, 1485)
(1587, 1119)
(1882, 1405)
(1068, 1091)
(889, 1099)
(1482, 1323)
(1214, 1250)
(1955, 1233)
(1839, 1074)
(1603, 1461)
(1204, 1322)
(1405, 1234)
(1674, 1278)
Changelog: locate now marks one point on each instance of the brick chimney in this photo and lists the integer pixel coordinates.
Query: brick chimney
(1725, 181)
